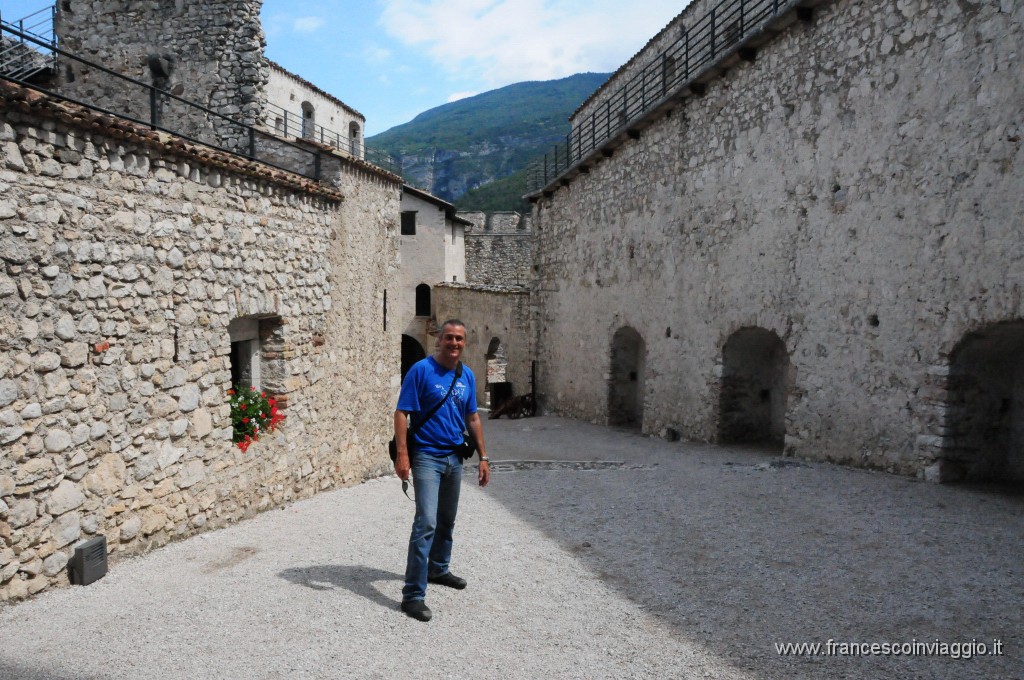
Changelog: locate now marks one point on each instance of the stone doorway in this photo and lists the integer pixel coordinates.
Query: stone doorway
(984, 429)
(626, 379)
(752, 397)
(412, 351)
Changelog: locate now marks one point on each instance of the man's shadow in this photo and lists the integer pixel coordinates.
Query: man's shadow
(359, 580)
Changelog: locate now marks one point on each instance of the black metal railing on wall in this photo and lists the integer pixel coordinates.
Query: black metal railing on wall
(290, 124)
(699, 46)
(100, 89)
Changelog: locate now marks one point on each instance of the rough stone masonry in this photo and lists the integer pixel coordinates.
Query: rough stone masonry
(126, 255)
(824, 250)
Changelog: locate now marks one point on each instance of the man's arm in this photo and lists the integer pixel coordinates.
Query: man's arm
(476, 429)
(402, 465)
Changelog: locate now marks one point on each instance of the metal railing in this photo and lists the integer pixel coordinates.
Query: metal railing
(722, 28)
(100, 89)
(288, 124)
(22, 59)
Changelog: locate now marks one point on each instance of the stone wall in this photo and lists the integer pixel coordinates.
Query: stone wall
(491, 313)
(126, 254)
(854, 192)
(211, 52)
(499, 249)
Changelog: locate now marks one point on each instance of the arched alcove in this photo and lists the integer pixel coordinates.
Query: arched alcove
(423, 300)
(412, 351)
(308, 120)
(984, 428)
(752, 396)
(626, 379)
(497, 388)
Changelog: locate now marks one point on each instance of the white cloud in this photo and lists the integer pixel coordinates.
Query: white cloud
(274, 25)
(307, 24)
(505, 41)
(376, 53)
(456, 96)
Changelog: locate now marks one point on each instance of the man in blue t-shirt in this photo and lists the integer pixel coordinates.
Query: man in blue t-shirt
(436, 468)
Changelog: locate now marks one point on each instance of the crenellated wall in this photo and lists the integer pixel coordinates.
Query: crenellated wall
(499, 249)
(126, 254)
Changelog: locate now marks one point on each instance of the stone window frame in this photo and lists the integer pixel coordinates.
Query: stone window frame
(266, 348)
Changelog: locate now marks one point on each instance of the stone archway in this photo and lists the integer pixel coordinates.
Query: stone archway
(626, 379)
(496, 387)
(412, 351)
(983, 437)
(752, 396)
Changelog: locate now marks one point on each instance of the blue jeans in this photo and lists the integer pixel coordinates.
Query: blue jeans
(437, 482)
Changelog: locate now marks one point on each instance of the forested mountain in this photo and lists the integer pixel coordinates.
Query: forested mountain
(479, 141)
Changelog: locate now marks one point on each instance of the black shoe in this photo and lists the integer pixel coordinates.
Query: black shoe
(417, 609)
(448, 579)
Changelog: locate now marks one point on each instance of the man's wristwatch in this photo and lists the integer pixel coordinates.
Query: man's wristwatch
(485, 459)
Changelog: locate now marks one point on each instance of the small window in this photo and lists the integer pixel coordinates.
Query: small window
(408, 222)
(245, 352)
(668, 73)
(245, 363)
(353, 133)
(308, 120)
(423, 300)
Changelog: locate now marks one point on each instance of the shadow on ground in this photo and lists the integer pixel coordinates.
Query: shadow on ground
(12, 671)
(358, 580)
(739, 550)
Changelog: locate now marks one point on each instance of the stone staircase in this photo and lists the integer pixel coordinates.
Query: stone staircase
(26, 46)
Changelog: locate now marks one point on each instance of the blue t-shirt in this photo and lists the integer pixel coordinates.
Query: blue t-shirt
(424, 386)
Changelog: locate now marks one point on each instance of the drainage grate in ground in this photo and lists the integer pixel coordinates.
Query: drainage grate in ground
(580, 465)
(777, 464)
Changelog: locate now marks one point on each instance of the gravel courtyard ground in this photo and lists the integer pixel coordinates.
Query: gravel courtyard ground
(595, 553)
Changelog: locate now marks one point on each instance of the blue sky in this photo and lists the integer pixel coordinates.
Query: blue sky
(393, 59)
